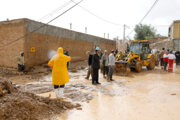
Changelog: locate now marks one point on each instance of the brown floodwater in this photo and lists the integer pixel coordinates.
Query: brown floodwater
(149, 95)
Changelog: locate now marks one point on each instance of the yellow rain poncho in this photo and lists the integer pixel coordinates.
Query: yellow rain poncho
(59, 68)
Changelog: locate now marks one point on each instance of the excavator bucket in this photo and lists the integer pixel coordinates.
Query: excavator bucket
(121, 68)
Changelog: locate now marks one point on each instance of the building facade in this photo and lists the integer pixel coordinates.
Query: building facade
(37, 39)
(174, 34)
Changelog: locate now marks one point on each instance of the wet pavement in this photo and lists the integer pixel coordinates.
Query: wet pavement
(149, 95)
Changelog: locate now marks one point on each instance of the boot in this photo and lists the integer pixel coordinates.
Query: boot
(56, 92)
(61, 93)
(108, 78)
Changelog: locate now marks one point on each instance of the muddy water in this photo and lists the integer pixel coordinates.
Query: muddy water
(149, 95)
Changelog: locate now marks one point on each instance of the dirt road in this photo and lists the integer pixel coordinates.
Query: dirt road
(149, 95)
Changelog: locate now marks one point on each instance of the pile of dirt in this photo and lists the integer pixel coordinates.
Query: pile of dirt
(18, 105)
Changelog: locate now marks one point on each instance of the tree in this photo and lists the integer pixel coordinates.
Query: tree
(144, 32)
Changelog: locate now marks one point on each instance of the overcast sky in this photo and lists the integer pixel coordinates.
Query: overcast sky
(115, 12)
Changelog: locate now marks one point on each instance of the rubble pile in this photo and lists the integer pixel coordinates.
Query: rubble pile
(19, 105)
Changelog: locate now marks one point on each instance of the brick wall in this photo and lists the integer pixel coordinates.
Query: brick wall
(44, 44)
(9, 31)
(50, 38)
(45, 39)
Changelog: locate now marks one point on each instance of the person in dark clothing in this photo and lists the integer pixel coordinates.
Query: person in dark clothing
(89, 65)
(67, 54)
(101, 54)
(105, 59)
(161, 57)
(20, 60)
(165, 59)
(116, 52)
(96, 67)
(177, 54)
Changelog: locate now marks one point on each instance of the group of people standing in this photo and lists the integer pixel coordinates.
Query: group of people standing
(98, 59)
(58, 64)
(167, 58)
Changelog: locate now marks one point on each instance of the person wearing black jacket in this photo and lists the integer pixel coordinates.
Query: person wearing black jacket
(96, 66)
(89, 65)
(67, 54)
(177, 54)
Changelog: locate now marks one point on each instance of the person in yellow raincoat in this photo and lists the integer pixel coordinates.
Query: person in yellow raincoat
(60, 77)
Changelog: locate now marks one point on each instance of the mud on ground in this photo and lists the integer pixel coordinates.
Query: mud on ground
(18, 105)
(36, 73)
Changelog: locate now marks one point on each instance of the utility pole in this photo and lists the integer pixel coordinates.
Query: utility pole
(70, 26)
(108, 36)
(104, 35)
(117, 42)
(124, 32)
(85, 29)
(124, 38)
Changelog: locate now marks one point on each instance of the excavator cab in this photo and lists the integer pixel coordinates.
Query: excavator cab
(142, 48)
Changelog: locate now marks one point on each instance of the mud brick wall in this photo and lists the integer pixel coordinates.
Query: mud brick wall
(158, 39)
(49, 38)
(10, 31)
(168, 44)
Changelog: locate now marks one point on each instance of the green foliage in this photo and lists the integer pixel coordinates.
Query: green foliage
(144, 32)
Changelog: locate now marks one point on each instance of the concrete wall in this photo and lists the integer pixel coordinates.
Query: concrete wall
(10, 31)
(49, 38)
(176, 44)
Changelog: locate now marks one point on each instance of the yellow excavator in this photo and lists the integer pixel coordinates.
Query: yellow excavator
(138, 54)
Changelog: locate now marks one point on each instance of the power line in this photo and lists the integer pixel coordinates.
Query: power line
(110, 22)
(149, 11)
(41, 25)
(55, 11)
(156, 1)
(156, 26)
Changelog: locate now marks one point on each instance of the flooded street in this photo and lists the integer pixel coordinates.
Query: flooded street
(149, 95)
